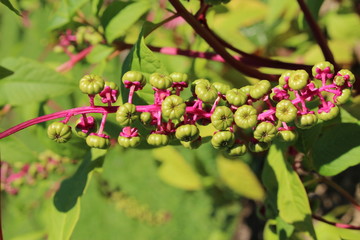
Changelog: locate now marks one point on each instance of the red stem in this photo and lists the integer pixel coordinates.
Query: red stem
(339, 225)
(74, 59)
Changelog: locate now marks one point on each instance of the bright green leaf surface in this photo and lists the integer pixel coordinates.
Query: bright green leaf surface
(8, 4)
(4, 72)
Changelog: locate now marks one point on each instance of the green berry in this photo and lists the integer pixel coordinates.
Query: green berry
(96, 141)
(298, 79)
(179, 77)
(146, 118)
(287, 135)
(126, 114)
(221, 87)
(259, 146)
(82, 129)
(157, 139)
(265, 132)
(246, 89)
(196, 82)
(326, 116)
(286, 111)
(284, 76)
(222, 118)
(195, 144)
(160, 81)
(187, 133)
(173, 107)
(236, 97)
(91, 84)
(127, 142)
(246, 116)
(206, 92)
(238, 149)
(321, 66)
(342, 75)
(134, 76)
(223, 140)
(260, 89)
(59, 132)
(344, 97)
(306, 121)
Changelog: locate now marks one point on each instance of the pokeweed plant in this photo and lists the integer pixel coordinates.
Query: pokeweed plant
(214, 141)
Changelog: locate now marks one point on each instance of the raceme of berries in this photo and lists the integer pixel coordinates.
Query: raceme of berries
(264, 112)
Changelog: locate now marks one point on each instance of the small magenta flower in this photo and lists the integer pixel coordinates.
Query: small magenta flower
(129, 137)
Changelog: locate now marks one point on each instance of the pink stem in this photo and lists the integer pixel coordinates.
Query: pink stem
(74, 59)
(102, 124)
(339, 225)
(131, 93)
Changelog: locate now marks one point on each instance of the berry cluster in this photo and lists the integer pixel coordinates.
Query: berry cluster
(13, 178)
(263, 111)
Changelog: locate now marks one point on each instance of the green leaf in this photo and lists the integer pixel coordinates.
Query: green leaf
(65, 12)
(141, 58)
(286, 193)
(176, 171)
(125, 18)
(337, 149)
(99, 53)
(96, 6)
(72, 189)
(32, 82)
(4, 72)
(8, 4)
(238, 176)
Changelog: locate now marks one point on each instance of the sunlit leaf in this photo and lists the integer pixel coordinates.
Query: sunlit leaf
(8, 4)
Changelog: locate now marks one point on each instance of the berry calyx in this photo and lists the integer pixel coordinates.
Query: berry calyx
(265, 132)
(101, 141)
(134, 78)
(246, 116)
(323, 68)
(59, 132)
(286, 111)
(85, 125)
(173, 107)
(222, 118)
(126, 114)
(298, 79)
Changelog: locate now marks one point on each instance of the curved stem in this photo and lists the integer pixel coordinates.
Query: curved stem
(339, 225)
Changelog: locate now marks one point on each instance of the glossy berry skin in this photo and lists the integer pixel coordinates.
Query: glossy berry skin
(238, 149)
(145, 118)
(173, 107)
(283, 80)
(326, 116)
(245, 116)
(192, 144)
(126, 114)
(96, 141)
(286, 111)
(306, 121)
(197, 81)
(265, 132)
(246, 90)
(223, 140)
(187, 133)
(206, 92)
(134, 76)
(260, 89)
(298, 79)
(236, 97)
(156, 139)
(344, 97)
(179, 77)
(127, 142)
(59, 132)
(160, 81)
(221, 87)
(258, 146)
(91, 84)
(222, 118)
(287, 136)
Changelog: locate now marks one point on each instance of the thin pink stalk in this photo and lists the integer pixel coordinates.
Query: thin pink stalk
(339, 225)
(74, 59)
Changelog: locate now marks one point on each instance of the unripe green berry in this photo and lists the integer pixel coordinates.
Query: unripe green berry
(321, 66)
(96, 141)
(157, 139)
(187, 133)
(326, 116)
(91, 84)
(238, 149)
(284, 75)
(260, 89)
(221, 87)
(223, 140)
(339, 79)
(246, 116)
(344, 97)
(286, 111)
(127, 142)
(59, 132)
(222, 118)
(145, 118)
(173, 107)
(197, 81)
(195, 144)
(298, 79)
(246, 89)
(179, 77)
(287, 135)
(206, 92)
(265, 132)
(236, 97)
(306, 121)
(160, 81)
(134, 76)
(126, 114)
(259, 146)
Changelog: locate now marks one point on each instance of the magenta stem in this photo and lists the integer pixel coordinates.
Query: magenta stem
(74, 59)
(215, 103)
(102, 124)
(131, 93)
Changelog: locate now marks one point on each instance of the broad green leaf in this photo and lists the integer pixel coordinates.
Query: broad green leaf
(125, 18)
(329, 232)
(96, 6)
(8, 4)
(4, 72)
(65, 12)
(337, 149)
(31, 236)
(175, 170)
(275, 9)
(284, 230)
(342, 26)
(238, 176)
(142, 59)
(32, 82)
(99, 53)
(286, 191)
